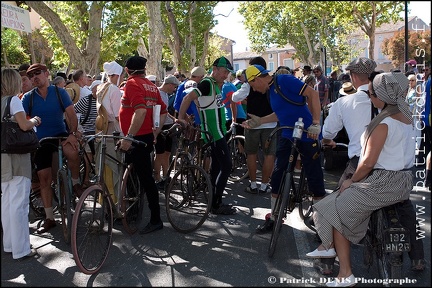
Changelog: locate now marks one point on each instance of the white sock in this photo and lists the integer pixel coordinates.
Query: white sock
(49, 213)
(253, 185)
(272, 205)
(75, 181)
(264, 186)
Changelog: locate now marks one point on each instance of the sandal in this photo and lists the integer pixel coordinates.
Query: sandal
(224, 210)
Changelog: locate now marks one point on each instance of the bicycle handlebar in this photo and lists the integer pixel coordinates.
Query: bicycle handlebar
(337, 144)
(269, 138)
(178, 128)
(53, 138)
(100, 135)
(232, 126)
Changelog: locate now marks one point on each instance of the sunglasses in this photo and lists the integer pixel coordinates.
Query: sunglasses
(370, 94)
(32, 74)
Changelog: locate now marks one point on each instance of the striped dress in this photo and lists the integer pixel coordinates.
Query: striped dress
(388, 183)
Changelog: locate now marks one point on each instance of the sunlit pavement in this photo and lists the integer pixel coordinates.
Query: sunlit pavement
(225, 251)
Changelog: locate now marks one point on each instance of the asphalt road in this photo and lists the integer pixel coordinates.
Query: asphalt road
(225, 251)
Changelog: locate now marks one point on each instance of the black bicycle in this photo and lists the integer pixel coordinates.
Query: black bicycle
(239, 170)
(385, 242)
(189, 194)
(293, 191)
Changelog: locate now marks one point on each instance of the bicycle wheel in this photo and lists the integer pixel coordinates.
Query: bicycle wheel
(65, 208)
(305, 197)
(92, 230)
(188, 199)
(239, 170)
(130, 204)
(281, 205)
(176, 163)
(389, 264)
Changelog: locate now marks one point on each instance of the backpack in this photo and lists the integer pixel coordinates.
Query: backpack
(102, 117)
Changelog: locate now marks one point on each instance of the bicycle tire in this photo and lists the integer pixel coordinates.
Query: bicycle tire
(305, 200)
(92, 230)
(281, 205)
(183, 158)
(188, 199)
(130, 204)
(239, 169)
(64, 204)
(388, 268)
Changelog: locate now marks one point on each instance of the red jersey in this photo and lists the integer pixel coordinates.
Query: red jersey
(139, 93)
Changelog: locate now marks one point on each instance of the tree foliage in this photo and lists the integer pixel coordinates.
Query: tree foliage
(307, 25)
(85, 34)
(187, 26)
(419, 44)
(12, 48)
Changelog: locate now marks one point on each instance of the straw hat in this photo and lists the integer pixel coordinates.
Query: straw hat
(73, 90)
(347, 89)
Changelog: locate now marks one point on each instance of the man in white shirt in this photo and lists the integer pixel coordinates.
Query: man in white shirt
(352, 112)
(259, 105)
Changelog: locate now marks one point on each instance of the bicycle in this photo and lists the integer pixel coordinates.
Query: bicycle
(189, 195)
(36, 204)
(386, 240)
(290, 193)
(239, 170)
(185, 148)
(93, 219)
(63, 188)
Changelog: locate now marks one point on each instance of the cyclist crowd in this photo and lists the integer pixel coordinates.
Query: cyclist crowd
(215, 100)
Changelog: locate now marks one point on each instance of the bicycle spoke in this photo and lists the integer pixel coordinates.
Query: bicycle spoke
(92, 230)
(188, 199)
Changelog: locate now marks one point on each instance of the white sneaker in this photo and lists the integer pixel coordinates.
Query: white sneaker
(343, 282)
(330, 253)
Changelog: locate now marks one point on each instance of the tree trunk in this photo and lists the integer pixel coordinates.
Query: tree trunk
(89, 57)
(156, 39)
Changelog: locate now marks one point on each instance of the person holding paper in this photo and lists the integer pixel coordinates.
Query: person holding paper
(136, 121)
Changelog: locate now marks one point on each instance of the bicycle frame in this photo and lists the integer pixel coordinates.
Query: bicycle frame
(93, 218)
(288, 194)
(63, 189)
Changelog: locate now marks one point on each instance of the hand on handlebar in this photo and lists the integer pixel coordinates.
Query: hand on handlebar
(313, 131)
(328, 143)
(124, 144)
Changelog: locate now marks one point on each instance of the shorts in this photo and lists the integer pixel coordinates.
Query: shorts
(163, 144)
(44, 155)
(256, 137)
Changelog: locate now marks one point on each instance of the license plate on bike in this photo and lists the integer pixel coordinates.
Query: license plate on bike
(396, 240)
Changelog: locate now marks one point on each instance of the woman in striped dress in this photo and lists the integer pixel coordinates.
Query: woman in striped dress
(381, 178)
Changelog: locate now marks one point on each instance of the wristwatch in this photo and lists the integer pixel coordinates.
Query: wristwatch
(72, 133)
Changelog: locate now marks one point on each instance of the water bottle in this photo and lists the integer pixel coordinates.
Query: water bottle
(298, 128)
